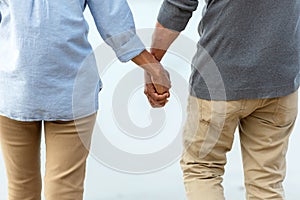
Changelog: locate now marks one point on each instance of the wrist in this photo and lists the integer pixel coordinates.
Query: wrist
(148, 62)
(162, 38)
(158, 53)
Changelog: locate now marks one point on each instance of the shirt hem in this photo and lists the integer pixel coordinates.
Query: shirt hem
(46, 118)
(239, 94)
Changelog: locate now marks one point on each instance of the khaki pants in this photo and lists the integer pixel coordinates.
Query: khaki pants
(264, 128)
(66, 155)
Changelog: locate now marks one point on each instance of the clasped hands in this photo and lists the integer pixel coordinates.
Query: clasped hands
(157, 83)
(157, 87)
(157, 79)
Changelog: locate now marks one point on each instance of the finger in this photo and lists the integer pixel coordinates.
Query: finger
(161, 86)
(150, 87)
(153, 103)
(160, 102)
(158, 97)
(161, 81)
(150, 90)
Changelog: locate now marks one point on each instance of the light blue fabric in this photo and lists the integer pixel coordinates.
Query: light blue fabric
(43, 49)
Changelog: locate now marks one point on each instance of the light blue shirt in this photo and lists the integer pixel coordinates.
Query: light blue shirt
(43, 48)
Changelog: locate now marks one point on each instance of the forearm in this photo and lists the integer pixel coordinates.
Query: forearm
(162, 39)
(146, 61)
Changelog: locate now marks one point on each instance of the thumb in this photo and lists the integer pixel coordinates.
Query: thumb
(160, 89)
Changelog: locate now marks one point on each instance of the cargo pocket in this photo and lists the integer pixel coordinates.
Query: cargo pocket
(286, 110)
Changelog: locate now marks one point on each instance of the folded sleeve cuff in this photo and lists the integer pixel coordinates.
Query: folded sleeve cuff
(130, 49)
(125, 51)
(175, 15)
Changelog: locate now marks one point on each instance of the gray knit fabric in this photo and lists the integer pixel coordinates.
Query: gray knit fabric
(254, 46)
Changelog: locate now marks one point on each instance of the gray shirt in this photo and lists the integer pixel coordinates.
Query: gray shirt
(248, 49)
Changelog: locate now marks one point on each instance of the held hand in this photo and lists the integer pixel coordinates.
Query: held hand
(157, 89)
(160, 78)
(157, 80)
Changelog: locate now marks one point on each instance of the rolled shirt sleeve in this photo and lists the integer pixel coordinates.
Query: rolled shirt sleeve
(115, 24)
(175, 14)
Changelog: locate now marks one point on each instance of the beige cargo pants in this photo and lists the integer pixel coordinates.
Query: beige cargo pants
(264, 127)
(67, 144)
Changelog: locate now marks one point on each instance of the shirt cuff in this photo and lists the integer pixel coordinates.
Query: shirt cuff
(128, 50)
(175, 17)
